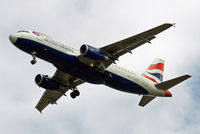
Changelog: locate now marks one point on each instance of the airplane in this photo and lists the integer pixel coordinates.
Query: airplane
(94, 65)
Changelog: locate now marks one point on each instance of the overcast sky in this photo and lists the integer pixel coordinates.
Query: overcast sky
(101, 109)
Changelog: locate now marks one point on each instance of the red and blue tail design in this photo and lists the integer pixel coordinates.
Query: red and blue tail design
(155, 71)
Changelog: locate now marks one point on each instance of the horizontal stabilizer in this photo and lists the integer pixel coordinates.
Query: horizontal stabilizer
(170, 83)
(145, 100)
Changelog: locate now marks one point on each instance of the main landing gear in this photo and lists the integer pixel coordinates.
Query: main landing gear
(73, 87)
(74, 94)
(34, 58)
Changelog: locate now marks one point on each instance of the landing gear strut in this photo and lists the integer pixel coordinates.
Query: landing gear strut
(74, 94)
(73, 87)
(34, 58)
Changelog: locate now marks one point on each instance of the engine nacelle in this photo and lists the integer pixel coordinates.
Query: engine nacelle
(46, 82)
(92, 53)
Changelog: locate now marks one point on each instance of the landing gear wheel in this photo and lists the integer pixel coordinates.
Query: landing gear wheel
(34, 57)
(33, 62)
(77, 93)
(73, 95)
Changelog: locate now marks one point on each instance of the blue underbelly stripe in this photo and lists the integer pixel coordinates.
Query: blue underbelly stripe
(123, 84)
(64, 62)
(71, 65)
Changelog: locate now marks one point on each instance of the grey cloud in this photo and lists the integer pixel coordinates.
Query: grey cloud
(101, 109)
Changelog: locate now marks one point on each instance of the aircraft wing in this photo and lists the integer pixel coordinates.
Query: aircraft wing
(122, 47)
(51, 97)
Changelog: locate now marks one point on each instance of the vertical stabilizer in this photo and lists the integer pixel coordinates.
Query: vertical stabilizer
(155, 71)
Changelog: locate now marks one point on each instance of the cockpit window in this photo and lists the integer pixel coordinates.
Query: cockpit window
(23, 31)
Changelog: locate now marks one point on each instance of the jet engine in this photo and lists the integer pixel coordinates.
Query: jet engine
(46, 82)
(92, 53)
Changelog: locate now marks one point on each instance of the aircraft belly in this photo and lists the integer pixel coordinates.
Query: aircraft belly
(71, 65)
(64, 62)
(125, 85)
(84, 73)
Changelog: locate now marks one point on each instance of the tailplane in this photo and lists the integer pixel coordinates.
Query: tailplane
(163, 86)
(145, 100)
(155, 71)
(170, 83)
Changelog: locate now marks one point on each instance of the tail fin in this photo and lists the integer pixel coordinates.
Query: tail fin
(155, 71)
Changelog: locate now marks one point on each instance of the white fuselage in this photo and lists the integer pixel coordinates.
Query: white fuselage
(121, 72)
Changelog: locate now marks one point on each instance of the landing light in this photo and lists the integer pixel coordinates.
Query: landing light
(91, 65)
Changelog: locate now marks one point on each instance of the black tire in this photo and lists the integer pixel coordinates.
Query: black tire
(73, 95)
(77, 93)
(33, 62)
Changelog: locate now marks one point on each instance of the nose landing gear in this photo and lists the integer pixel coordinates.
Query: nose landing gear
(34, 58)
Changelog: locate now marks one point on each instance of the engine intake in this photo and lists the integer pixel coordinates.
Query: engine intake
(92, 53)
(46, 82)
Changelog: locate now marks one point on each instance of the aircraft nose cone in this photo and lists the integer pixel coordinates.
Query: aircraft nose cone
(13, 38)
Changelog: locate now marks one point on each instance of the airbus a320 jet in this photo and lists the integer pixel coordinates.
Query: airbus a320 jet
(94, 65)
